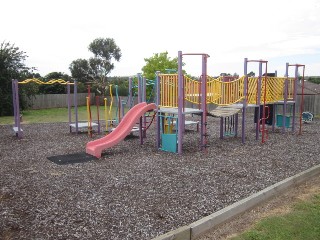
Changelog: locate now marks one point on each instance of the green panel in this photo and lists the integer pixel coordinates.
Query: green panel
(280, 119)
(169, 142)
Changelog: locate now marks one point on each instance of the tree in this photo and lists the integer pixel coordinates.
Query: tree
(251, 74)
(159, 62)
(97, 68)
(12, 66)
(80, 70)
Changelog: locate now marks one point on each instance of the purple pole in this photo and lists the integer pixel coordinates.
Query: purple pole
(69, 105)
(258, 101)
(236, 125)
(139, 88)
(285, 98)
(18, 108)
(221, 127)
(244, 106)
(296, 79)
(14, 102)
(180, 102)
(144, 90)
(204, 102)
(274, 108)
(75, 102)
(158, 104)
(139, 101)
(144, 99)
(130, 93)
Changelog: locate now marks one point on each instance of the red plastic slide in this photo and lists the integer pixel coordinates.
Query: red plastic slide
(122, 130)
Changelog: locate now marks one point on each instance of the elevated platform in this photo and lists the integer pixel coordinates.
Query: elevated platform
(287, 102)
(175, 110)
(134, 129)
(83, 125)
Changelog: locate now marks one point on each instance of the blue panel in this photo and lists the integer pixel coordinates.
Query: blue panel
(169, 142)
(280, 119)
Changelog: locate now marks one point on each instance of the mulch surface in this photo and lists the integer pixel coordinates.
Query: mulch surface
(134, 191)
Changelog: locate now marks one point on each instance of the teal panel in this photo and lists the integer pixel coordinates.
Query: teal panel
(280, 119)
(169, 142)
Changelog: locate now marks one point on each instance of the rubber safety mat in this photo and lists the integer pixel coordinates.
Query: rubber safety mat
(72, 158)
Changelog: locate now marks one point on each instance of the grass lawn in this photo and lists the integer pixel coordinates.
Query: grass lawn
(57, 115)
(303, 222)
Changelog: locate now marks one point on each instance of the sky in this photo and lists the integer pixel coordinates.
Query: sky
(54, 33)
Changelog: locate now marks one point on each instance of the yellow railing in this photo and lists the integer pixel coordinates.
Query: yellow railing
(192, 90)
(223, 93)
(38, 81)
(168, 90)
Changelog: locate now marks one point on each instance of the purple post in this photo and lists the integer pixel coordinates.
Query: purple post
(157, 113)
(144, 90)
(285, 98)
(221, 127)
(144, 99)
(16, 107)
(75, 102)
(140, 131)
(69, 105)
(244, 106)
(14, 102)
(180, 102)
(130, 93)
(139, 88)
(274, 108)
(259, 101)
(236, 124)
(296, 79)
(204, 102)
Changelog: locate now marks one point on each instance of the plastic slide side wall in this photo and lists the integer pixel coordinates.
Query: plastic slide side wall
(96, 147)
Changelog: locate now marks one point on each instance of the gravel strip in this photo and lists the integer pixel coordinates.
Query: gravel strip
(136, 192)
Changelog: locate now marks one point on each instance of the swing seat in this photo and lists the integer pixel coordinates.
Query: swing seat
(307, 117)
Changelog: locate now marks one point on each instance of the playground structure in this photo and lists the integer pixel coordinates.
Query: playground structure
(174, 92)
(76, 125)
(231, 97)
(111, 121)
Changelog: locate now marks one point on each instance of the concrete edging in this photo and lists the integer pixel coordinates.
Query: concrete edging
(195, 229)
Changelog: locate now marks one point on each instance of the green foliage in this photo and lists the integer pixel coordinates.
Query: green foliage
(12, 66)
(158, 62)
(97, 68)
(54, 88)
(301, 223)
(314, 79)
(121, 82)
(80, 70)
(251, 74)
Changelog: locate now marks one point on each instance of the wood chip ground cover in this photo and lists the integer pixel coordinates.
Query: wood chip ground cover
(136, 192)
